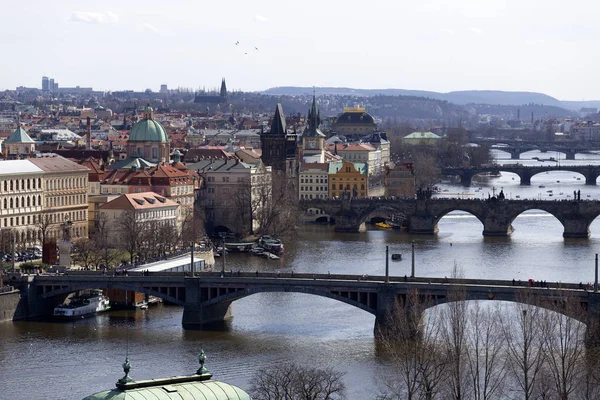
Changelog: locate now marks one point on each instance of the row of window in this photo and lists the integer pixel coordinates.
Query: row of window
(310, 196)
(310, 188)
(59, 201)
(66, 183)
(311, 181)
(21, 184)
(23, 201)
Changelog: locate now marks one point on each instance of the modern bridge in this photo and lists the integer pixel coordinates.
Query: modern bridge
(589, 172)
(422, 215)
(208, 297)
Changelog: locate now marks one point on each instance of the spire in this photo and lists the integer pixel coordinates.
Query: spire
(314, 120)
(223, 88)
(278, 126)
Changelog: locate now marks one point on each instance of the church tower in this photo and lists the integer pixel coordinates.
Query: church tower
(313, 140)
(223, 92)
(279, 148)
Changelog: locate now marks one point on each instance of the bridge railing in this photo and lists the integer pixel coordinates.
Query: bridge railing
(331, 277)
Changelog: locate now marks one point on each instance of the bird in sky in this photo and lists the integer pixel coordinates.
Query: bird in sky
(237, 42)
(256, 48)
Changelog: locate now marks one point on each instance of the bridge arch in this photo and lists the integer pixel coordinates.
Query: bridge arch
(365, 302)
(391, 208)
(175, 297)
(444, 212)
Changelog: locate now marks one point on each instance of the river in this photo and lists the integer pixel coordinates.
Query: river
(71, 360)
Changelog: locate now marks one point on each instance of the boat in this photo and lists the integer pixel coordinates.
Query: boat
(271, 256)
(396, 257)
(518, 197)
(257, 251)
(557, 181)
(86, 304)
(384, 225)
(271, 244)
(541, 186)
(549, 191)
(589, 195)
(578, 179)
(239, 247)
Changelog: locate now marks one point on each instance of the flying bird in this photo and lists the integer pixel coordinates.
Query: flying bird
(256, 48)
(237, 42)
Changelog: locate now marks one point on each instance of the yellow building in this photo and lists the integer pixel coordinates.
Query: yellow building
(347, 179)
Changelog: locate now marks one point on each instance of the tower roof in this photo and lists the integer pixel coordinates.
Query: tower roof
(314, 120)
(19, 136)
(278, 126)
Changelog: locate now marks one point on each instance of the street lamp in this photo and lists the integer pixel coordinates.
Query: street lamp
(222, 235)
(412, 270)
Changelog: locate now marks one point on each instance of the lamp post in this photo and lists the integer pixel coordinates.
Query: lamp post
(387, 264)
(192, 258)
(412, 269)
(222, 235)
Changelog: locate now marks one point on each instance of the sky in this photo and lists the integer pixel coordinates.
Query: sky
(543, 46)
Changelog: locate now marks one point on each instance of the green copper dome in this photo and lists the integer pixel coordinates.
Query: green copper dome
(148, 130)
(213, 390)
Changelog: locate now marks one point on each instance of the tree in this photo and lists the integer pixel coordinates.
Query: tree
(85, 253)
(564, 345)
(412, 341)
(43, 221)
(107, 255)
(294, 382)
(130, 231)
(485, 355)
(525, 342)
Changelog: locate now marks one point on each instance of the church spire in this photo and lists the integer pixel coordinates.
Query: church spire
(278, 126)
(314, 120)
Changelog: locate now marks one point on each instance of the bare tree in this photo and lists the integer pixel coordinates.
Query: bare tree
(412, 341)
(295, 382)
(85, 252)
(43, 222)
(107, 254)
(130, 230)
(564, 345)
(454, 332)
(525, 342)
(485, 356)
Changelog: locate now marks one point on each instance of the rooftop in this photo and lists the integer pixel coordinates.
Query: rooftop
(18, 167)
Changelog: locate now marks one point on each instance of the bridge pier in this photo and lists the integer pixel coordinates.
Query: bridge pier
(590, 178)
(198, 315)
(422, 225)
(570, 155)
(576, 228)
(348, 224)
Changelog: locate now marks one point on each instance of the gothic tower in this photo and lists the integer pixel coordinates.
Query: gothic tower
(279, 147)
(223, 92)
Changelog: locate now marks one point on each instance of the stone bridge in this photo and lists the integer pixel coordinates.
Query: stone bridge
(422, 216)
(207, 298)
(516, 148)
(589, 172)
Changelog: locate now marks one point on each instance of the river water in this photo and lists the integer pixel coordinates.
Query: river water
(46, 360)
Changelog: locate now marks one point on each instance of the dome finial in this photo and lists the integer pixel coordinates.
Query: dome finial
(126, 369)
(148, 111)
(201, 359)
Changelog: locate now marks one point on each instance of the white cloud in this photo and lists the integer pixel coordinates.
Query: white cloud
(260, 18)
(476, 30)
(94, 17)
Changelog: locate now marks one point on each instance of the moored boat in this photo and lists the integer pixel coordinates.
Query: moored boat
(271, 244)
(86, 304)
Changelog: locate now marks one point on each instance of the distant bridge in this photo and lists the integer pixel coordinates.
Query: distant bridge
(589, 172)
(515, 147)
(207, 298)
(422, 216)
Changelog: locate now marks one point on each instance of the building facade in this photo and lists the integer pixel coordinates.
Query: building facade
(65, 203)
(399, 180)
(313, 181)
(21, 199)
(348, 180)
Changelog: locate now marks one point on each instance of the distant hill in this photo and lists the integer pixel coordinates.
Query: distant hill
(462, 97)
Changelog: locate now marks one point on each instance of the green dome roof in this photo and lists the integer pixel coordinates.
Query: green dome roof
(200, 390)
(148, 130)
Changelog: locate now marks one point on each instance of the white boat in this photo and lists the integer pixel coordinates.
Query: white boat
(87, 304)
(271, 256)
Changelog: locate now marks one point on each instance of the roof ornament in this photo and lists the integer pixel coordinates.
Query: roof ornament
(126, 369)
(201, 359)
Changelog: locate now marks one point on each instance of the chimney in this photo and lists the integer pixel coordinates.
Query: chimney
(88, 144)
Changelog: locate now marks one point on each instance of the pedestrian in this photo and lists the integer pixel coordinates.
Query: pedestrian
(328, 275)
(256, 272)
(513, 281)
